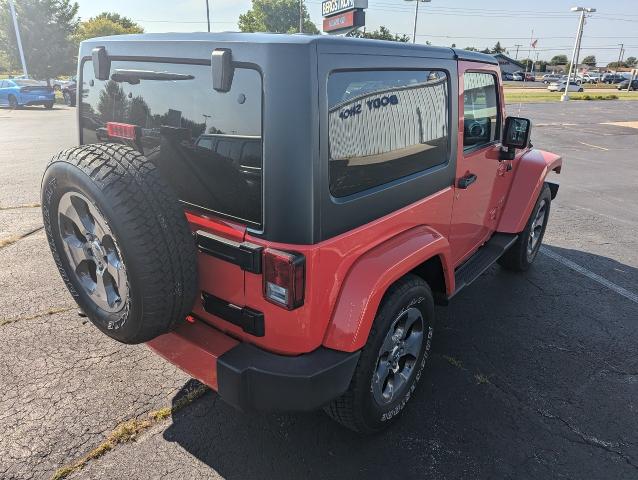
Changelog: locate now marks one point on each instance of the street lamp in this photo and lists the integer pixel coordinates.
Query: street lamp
(579, 35)
(416, 15)
(208, 15)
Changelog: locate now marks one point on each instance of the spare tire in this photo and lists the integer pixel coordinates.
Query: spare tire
(120, 240)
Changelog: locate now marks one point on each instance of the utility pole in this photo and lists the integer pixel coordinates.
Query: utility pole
(416, 16)
(529, 54)
(620, 55)
(518, 45)
(208, 15)
(18, 39)
(579, 35)
(300, 16)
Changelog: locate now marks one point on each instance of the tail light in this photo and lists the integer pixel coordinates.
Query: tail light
(284, 278)
(121, 130)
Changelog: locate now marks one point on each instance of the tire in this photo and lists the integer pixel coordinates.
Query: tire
(522, 254)
(13, 102)
(581, 90)
(69, 100)
(106, 208)
(48, 105)
(359, 408)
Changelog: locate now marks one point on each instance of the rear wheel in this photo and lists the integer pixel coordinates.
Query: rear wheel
(48, 105)
(522, 254)
(120, 240)
(392, 360)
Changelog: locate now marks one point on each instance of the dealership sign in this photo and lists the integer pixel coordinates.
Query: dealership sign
(343, 15)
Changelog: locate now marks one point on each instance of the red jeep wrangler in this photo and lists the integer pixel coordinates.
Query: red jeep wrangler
(278, 215)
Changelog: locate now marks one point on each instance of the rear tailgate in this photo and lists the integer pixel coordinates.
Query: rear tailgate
(207, 145)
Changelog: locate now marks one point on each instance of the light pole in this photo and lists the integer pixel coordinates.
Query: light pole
(416, 15)
(18, 39)
(300, 16)
(579, 35)
(208, 15)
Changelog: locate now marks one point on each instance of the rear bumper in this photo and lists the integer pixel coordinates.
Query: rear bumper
(250, 378)
(25, 99)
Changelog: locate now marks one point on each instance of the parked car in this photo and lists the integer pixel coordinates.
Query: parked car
(590, 77)
(527, 76)
(59, 85)
(507, 76)
(612, 78)
(69, 92)
(574, 86)
(19, 92)
(625, 83)
(314, 285)
(518, 77)
(551, 77)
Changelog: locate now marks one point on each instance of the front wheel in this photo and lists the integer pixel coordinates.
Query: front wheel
(522, 254)
(392, 360)
(13, 102)
(48, 105)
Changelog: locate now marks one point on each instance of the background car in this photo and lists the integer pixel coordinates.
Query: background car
(60, 85)
(574, 86)
(507, 76)
(551, 77)
(625, 83)
(19, 92)
(517, 77)
(612, 78)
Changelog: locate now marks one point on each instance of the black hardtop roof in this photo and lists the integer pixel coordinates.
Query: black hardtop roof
(295, 39)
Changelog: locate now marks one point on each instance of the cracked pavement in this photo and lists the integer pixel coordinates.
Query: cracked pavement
(557, 350)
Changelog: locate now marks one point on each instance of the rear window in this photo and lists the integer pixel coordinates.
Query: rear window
(27, 83)
(207, 144)
(385, 125)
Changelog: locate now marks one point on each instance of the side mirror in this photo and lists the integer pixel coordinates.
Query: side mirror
(101, 63)
(517, 132)
(222, 67)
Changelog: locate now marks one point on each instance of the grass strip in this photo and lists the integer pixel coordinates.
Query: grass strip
(129, 431)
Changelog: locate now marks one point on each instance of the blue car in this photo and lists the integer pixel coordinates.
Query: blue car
(18, 92)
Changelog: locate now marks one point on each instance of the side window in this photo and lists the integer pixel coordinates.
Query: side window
(480, 101)
(384, 125)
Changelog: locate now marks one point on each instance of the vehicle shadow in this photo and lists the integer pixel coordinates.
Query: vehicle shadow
(525, 368)
(57, 106)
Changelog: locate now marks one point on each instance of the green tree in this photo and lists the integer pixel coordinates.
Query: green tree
(46, 29)
(559, 60)
(279, 16)
(631, 61)
(614, 65)
(498, 48)
(120, 20)
(106, 24)
(383, 33)
(589, 60)
(471, 49)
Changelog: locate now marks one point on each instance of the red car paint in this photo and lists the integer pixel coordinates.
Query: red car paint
(347, 276)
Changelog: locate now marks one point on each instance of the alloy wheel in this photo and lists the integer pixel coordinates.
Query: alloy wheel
(536, 230)
(92, 252)
(398, 356)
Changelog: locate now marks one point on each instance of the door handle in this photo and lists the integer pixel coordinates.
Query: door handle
(467, 180)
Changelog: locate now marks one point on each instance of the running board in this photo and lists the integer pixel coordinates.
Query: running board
(483, 259)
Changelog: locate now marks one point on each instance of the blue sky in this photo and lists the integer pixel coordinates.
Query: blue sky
(442, 22)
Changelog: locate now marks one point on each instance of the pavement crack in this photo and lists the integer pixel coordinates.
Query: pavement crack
(7, 241)
(589, 439)
(130, 430)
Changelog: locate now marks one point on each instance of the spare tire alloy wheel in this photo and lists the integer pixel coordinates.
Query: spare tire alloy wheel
(120, 240)
(92, 252)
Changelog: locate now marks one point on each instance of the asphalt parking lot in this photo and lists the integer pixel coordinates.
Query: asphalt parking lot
(532, 376)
